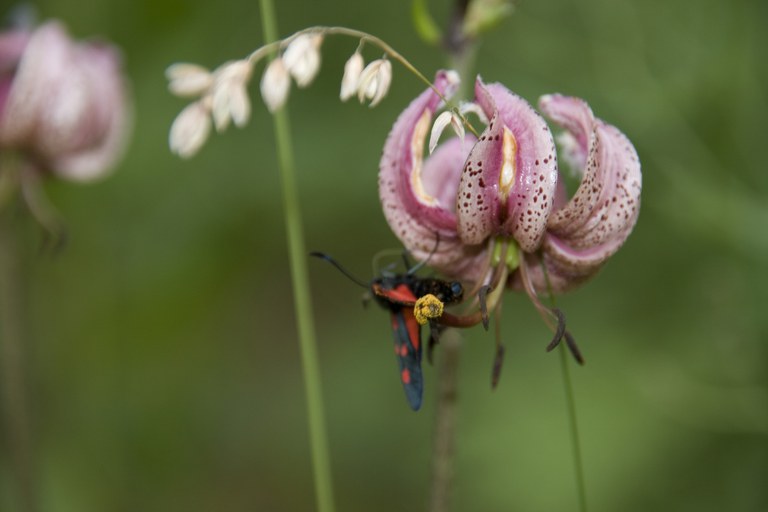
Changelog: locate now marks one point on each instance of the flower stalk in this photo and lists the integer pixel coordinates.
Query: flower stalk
(446, 416)
(446, 412)
(570, 403)
(12, 350)
(302, 303)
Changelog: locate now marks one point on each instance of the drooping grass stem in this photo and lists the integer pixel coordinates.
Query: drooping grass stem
(302, 302)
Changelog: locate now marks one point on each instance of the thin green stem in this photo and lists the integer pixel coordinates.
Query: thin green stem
(12, 351)
(446, 416)
(464, 63)
(302, 302)
(570, 403)
(447, 408)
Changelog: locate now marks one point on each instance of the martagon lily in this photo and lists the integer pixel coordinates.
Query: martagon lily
(493, 212)
(64, 104)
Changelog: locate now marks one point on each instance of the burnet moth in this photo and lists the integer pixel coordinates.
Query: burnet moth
(398, 294)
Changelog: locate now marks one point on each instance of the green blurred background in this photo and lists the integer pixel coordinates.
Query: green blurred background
(162, 359)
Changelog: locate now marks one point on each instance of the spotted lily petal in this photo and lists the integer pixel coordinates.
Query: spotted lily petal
(508, 184)
(418, 195)
(593, 225)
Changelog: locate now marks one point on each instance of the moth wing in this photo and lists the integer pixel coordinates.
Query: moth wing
(407, 332)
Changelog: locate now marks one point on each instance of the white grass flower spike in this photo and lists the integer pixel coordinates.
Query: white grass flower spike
(221, 96)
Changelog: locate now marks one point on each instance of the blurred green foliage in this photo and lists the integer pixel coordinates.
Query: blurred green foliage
(162, 357)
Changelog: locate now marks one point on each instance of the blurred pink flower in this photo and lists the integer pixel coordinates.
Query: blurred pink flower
(495, 206)
(63, 104)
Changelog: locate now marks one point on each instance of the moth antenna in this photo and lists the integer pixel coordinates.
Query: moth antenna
(338, 266)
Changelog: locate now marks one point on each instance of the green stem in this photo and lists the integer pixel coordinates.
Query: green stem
(302, 302)
(446, 416)
(464, 63)
(570, 403)
(446, 412)
(574, 428)
(14, 395)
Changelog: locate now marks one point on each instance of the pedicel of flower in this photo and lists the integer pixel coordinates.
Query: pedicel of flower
(411, 301)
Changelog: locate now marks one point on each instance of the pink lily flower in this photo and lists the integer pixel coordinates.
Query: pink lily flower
(495, 206)
(63, 104)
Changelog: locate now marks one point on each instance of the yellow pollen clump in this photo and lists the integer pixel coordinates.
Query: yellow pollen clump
(427, 307)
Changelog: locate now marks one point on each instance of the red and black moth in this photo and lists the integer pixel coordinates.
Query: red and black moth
(398, 294)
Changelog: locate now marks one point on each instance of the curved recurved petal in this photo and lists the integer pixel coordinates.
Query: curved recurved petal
(508, 184)
(619, 204)
(418, 195)
(594, 224)
(576, 117)
(105, 124)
